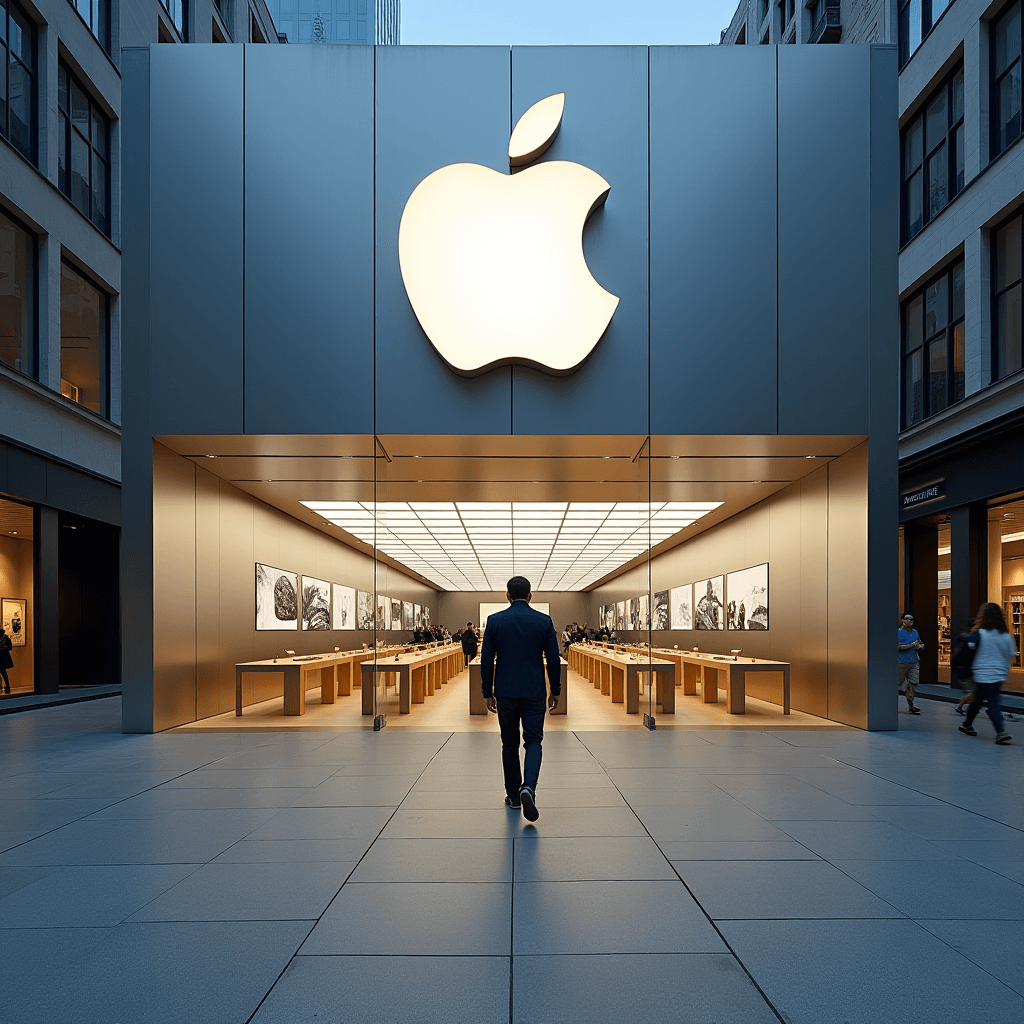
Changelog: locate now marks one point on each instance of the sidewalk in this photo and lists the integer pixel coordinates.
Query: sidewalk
(810, 876)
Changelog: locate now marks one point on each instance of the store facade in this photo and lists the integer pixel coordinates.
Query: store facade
(278, 362)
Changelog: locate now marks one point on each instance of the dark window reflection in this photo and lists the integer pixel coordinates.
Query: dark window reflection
(83, 164)
(17, 296)
(83, 341)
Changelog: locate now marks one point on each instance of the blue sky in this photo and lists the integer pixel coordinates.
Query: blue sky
(565, 21)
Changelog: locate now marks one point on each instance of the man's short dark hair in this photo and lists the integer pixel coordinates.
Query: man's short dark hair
(519, 588)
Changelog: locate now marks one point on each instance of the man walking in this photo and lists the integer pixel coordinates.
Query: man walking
(469, 645)
(522, 640)
(908, 642)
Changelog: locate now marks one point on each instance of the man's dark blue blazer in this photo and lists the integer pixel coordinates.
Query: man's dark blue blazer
(522, 639)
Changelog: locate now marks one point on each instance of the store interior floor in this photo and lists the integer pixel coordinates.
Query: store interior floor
(448, 709)
(736, 876)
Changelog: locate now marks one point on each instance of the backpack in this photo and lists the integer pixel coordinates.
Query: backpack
(964, 650)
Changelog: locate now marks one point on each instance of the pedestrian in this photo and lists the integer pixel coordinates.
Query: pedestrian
(469, 644)
(961, 664)
(991, 666)
(6, 661)
(908, 643)
(522, 640)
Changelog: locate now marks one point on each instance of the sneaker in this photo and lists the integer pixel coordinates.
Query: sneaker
(967, 730)
(508, 803)
(1010, 717)
(913, 709)
(1003, 738)
(530, 812)
(959, 710)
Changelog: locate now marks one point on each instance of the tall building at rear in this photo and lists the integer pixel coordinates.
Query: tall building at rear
(362, 22)
(958, 349)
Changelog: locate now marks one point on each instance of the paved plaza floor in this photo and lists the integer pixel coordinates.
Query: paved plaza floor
(802, 875)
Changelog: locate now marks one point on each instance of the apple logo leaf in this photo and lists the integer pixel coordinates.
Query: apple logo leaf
(536, 130)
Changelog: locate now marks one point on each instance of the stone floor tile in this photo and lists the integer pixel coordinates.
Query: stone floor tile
(758, 850)
(325, 823)
(609, 917)
(437, 860)
(255, 778)
(422, 919)
(995, 946)
(293, 851)
(863, 972)
(250, 892)
(624, 858)
(383, 791)
(699, 988)
(867, 840)
(388, 989)
(730, 890)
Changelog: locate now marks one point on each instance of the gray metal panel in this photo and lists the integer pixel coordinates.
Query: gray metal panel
(713, 240)
(824, 239)
(883, 453)
(308, 237)
(137, 577)
(26, 475)
(435, 106)
(196, 157)
(604, 127)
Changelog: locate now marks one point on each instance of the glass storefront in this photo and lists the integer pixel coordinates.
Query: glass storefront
(17, 593)
(1006, 571)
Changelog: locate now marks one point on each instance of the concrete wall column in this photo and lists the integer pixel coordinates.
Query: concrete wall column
(968, 563)
(921, 544)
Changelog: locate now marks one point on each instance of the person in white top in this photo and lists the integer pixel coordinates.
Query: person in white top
(990, 668)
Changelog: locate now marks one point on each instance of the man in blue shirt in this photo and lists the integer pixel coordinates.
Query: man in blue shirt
(908, 643)
(522, 640)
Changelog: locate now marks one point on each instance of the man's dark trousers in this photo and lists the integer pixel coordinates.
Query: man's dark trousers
(530, 712)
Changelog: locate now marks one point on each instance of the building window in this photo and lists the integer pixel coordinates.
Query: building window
(1006, 47)
(96, 14)
(177, 11)
(1007, 258)
(84, 341)
(916, 20)
(17, 296)
(255, 32)
(18, 90)
(83, 160)
(933, 156)
(933, 346)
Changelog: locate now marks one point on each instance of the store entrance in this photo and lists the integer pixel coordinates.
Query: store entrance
(335, 576)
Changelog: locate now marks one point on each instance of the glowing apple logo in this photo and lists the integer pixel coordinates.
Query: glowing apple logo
(493, 263)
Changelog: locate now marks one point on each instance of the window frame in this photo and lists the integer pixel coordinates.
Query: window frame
(927, 340)
(954, 128)
(996, 291)
(927, 23)
(104, 374)
(94, 7)
(34, 309)
(183, 5)
(33, 74)
(994, 127)
(68, 131)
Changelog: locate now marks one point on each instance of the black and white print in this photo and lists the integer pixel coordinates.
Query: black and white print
(364, 609)
(383, 612)
(620, 615)
(344, 607)
(644, 612)
(277, 602)
(662, 618)
(747, 593)
(709, 609)
(15, 619)
(417, 616)
(316, 603)
(408, 615)
(681, 600)
(396, 614)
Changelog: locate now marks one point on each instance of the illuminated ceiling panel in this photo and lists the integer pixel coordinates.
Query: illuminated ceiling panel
(478, 546)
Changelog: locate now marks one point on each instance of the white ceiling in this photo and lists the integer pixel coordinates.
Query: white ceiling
(479, 545)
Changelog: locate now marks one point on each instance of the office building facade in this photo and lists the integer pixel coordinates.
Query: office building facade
(60, 319)
(358, 22)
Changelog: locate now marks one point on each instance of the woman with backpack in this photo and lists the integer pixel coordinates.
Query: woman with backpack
(6, 661)
(990, 667)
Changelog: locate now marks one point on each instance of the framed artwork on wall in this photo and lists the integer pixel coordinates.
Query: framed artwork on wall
(417, 616)
(364, 609)
(661, 610)
(681, 602)
(277, 602)
(747, 593)
(383, 612)
(408, 615)
(14, 612)
(316, 603)
(608, 616)
(426, 615)
(620, 615)
(709, 607)
(644, 616)
(396, 613)
(633, 613)
(344, 607)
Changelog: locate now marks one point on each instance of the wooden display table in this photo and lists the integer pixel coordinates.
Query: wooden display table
(714, 671)
(420, 674)
(335, 673)
(617, 673)
(477, 704)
